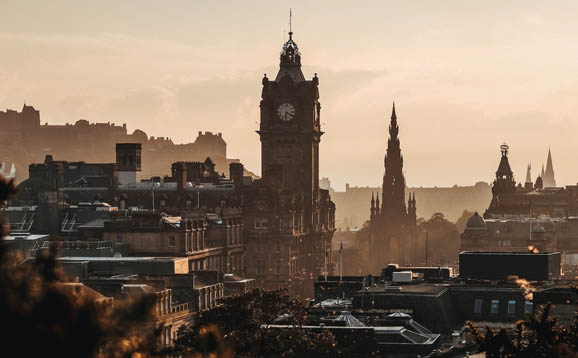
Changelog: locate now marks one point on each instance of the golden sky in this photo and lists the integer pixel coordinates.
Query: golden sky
(466, 76)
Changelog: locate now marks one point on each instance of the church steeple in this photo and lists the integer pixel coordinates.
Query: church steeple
(548, 177)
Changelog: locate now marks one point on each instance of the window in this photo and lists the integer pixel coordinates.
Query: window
(528, 307)
(171, 241)
(118, 239)
(260, 268)
(495, 307)
(277, 270)
(478, 305)
(511, 307)
(261, 223)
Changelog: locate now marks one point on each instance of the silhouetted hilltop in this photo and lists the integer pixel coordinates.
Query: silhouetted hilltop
(24, 140)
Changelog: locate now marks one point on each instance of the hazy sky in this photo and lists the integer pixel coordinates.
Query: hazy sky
(466, 76)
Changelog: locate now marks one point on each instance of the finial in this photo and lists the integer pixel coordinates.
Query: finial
(393, 115)
(290, 25)
(504, 148)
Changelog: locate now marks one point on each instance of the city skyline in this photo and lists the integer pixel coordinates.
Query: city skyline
(497, 84)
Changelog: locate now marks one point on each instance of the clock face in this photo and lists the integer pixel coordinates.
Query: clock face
(286, 112)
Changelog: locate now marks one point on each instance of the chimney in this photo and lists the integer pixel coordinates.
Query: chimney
(179, 171)
(236, 174)
(128, 161)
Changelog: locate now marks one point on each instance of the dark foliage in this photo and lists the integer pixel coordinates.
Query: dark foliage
(443, 240)
(239, 325)
(540, 335)
(463, 220)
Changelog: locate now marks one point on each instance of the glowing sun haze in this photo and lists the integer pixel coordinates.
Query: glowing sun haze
(465, 76)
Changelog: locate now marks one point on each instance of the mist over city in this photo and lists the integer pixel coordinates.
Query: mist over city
(289, 179)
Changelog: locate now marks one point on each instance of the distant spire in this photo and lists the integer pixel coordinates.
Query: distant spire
(393, 115)
(549, 180)
(528, 174)
(542, 174)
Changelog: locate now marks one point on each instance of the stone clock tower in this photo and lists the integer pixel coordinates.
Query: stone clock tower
(288, 220)
(290, 130)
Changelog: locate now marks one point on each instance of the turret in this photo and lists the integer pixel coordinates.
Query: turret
(372, 209)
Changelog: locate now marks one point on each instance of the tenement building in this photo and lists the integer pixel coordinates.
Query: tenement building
(289, 220)
(392, 225)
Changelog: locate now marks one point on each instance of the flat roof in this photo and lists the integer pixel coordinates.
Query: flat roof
(507, 253)
(26, 236)
(420, 288)
(120, 259)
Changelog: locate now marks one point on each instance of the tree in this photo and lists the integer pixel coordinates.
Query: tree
(443, 239)
(540, 335)
(463, 220)
(241, 323)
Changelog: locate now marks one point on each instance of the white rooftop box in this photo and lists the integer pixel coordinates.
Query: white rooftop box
(402, 276)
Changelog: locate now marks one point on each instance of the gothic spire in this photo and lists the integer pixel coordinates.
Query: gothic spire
(528, 174)
(548, 178)
(393, 202)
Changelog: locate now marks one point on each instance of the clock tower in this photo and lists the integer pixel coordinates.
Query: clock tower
(288, 220)
(290, 130)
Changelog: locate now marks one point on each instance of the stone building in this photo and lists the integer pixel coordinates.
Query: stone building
(540, 198)
(523, 234)
(392, 225)
(210, 241)
(289, 220)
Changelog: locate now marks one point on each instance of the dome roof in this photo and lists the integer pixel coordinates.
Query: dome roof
(476, 222)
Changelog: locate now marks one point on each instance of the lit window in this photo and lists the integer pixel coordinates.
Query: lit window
(511, 307)
(478, 305)
(171, 241)
(528, 307)
(495, 307)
